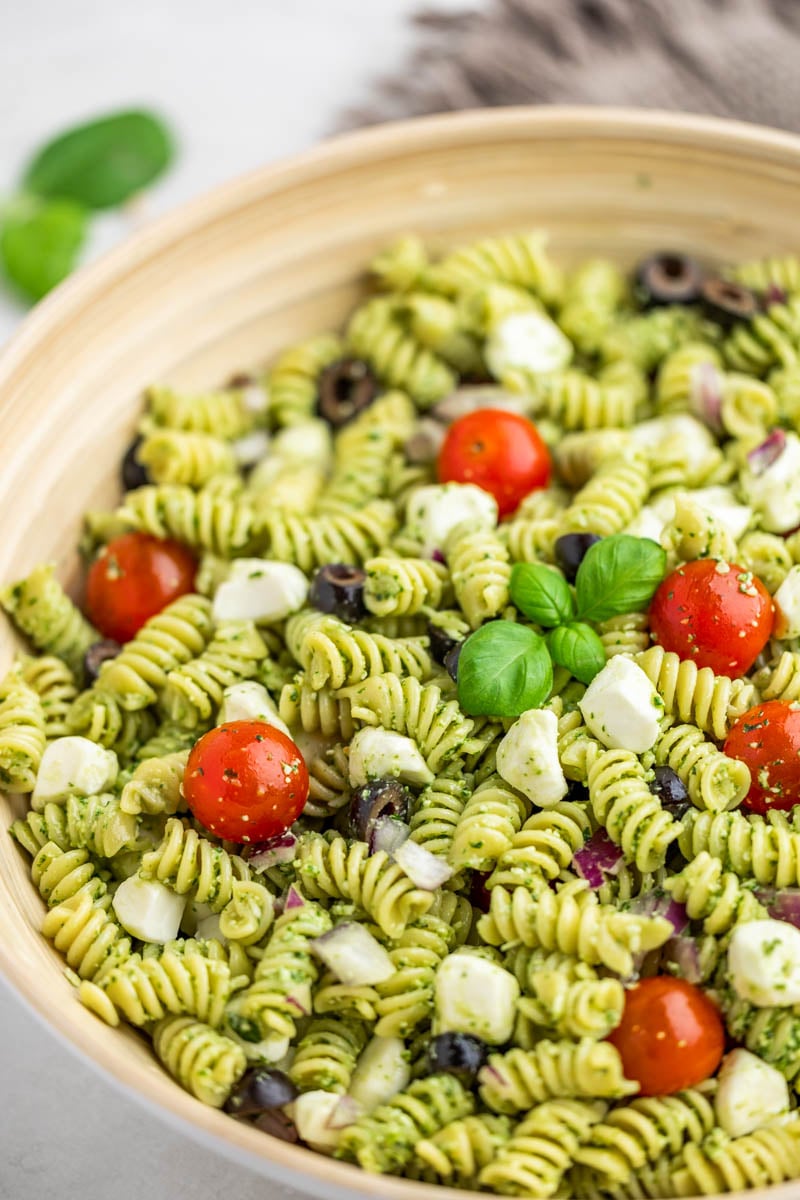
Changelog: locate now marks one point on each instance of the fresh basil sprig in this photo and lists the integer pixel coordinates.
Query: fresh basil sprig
(618, 574)
(503, 670)
(578, 648)
(541, 594)
(40, 242)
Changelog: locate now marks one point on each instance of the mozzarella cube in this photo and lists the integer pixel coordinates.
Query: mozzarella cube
(311, 1113)
(73, 766)
(254, 398)
(696, 439)
(434, 511)
(527, 341)
(646, 524)
(377, 753)
(764, 962)
(723, 506)
(751, 1093)
(621, 707)
(381, 1072)
(527, 758)
(308, 442)
(209, 930)
(474, 995)
(250, 701)
(251, 448)
(260, 590)
(775, 491)
(147, 909)
(787, 606)
(271, 1050)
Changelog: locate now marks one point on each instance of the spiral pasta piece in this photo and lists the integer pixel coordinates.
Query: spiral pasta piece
(336, 870)
(749, 408)
(42, 610)
(579, 455)
(771, 1033)
(486, 828)
(542, 848)
(172, 637)
(193, 691)
(769, 1155)
(22, 734)
(248, 914)
(328, 782)
(350, 1001)
(147, 989)
(612, 497)
(685, 374)
(640, 1132)
(303, 707)
(294, 378)
(572, 921)
(327, 1054)
(577, 748)
(714, 896)
(405, 999)
(230, 413)
(455, 1155)
(206, 520)
(579, 402)
(191, 864)
(713, 780)
(752, 847)
(311, 542)
(781, 680)
(711, 702)
(204, 1062)
(629, 633)
(519, 259)
(404, 586)
(60, 874)
(173, 456)
(519, 1079)
(780, 272)
(696, 532)
(384, 1140)
(54, 683)
(437, 812)
(564, 995)
(541, 1148)
(646, 339)
(82, 929)
(360, 472)
(479, 566)
(99, 716)
(770, 339)
(593, 294)
(377, 333)
(334, 654)
(630, 812)
(155, 786)
(531, 540)
(100, 824)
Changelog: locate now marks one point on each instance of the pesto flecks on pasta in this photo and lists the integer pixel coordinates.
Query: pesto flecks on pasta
(421, 776)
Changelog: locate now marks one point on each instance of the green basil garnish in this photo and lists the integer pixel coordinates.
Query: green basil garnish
(541, 594)
(40, 242)
(618, 574)
(503, 670)
(578, 648)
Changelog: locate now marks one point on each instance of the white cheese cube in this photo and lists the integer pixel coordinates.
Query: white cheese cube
(251, 448)
(377, 753)
(475, 996)
(147, 909)
(527, 341)
(787, 605)
(527, 758)
(255, 398)
(646, 524)
(751, 1093)
(382, 1071)
(250, 701)
(208, 929)
(308, 442)
(311, 1113)
(724, 508)
(764, 962)
(260, 590)
(775, 492)
(695, 437)
(73, 766)
(621, 707)
(434, 511)
(272, 1050)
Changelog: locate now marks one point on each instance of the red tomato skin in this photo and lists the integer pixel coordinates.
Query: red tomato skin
(671, 1036)
(718, 618)
(501, 452)
(132, 579)
(245, 781)
(767, 738)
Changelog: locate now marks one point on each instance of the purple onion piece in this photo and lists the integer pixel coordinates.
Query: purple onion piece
(705, 394)
(293, 899)
(781, 903)
(387, 835)
(438, 557)
(425, 870)
(597, 858)
(347, 1112)
(659, 904)
(684, 953)
(774, 295)
(281, 849)
(767, 452)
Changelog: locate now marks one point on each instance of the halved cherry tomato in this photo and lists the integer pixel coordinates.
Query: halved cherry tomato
(246, 781)
(715, 613)
(500, 452)
(132, 579)
(671, 1036)
(767, 738)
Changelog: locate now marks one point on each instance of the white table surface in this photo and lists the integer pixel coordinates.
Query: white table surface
(243, 82)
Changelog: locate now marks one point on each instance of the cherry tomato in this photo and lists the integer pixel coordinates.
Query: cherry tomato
(671, 1036)
(246, 781)
(499, 451)
(767, 738)
(132, 579)
(714, 613)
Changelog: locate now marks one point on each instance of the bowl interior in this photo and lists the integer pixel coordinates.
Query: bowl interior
(227, 281)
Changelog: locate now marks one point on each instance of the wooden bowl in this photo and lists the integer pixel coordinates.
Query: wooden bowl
(229, 279)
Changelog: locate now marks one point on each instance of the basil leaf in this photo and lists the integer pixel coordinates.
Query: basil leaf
(541, 594)
(617, 575)
(103, 163)
(503, 670)
(578, 648)
(40, 244)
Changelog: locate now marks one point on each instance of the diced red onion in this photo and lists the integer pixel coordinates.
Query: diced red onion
(425, 442)
(356, 958)
(783, 904)
(659, 904)
(767, 452)
(437, 556)
(281, 849)
(347, 1112)
(705, 394)
(684, 953)
(301, 1008)
(774, 295)
(490, 1072)
(425, 870)
(388, 834)
(293, 899)
(598, 858)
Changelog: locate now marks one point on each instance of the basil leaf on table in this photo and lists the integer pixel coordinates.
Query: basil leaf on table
(541, 594)
(578, 648)
(40, 242)
(618, 575)
(102, 163)
(503, 670)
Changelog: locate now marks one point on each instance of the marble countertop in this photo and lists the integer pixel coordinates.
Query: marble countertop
(242, 84)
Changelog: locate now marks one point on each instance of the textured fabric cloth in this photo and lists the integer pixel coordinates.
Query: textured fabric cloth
(727, 57)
